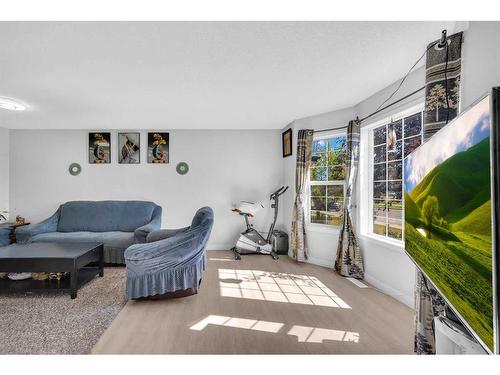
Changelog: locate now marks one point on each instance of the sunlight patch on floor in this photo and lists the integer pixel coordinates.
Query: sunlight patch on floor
(226, 321)
(318, 335)
(303, 333)
(277, 287)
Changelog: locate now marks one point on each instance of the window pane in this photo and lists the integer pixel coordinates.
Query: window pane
(413, 125)
(379, 207)
(379, 172)
(397, 152)
(379, 225)
(337, 143)
(395, 209)
(391, 144)
(398, 128)
(318, 174)
(395, 229)
(318, 190)
(318, 203)
(395, 190)
(379, 190)
(319, 146)
(379, 154)
(379, 135)
(395, 170)
(334, 219)
(411, 144)
(392, 135)
(335, 191)
(318, 217)
(335, 204)
(336, 157)
(336, 173)
(329, 164)
(319, 159)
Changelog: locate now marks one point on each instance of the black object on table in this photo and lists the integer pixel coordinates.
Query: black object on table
(74, 258)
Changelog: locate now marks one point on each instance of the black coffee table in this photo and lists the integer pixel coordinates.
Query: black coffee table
(51, 257)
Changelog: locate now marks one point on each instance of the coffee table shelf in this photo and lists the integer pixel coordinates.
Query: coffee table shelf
(85, 275)
(74, 258)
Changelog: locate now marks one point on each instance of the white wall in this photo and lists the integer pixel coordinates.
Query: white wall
(481, 60)
(225, 167)
(4, 170)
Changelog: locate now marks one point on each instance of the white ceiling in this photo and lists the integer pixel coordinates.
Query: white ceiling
(198, 75)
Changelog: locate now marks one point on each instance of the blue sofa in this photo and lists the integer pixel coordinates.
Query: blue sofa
(171, 260)
(4, 236)
(117, 224)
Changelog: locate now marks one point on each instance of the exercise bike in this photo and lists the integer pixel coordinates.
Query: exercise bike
(251, 241)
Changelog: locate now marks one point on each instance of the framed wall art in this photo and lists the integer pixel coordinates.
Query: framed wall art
(129, 148)
(286, 142)
(99, 148)
(158, 148)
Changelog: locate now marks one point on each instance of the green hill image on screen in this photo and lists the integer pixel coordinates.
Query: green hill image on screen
(450, 236)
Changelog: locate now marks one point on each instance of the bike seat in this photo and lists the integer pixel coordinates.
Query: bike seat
(248, 208)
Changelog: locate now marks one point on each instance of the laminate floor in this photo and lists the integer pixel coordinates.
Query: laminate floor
(261, 306)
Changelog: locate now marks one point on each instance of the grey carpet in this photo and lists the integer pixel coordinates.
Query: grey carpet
(53, 323)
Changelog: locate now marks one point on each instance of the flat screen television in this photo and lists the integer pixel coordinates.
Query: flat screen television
(452, 213)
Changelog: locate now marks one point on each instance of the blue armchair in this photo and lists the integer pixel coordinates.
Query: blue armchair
(171, 260)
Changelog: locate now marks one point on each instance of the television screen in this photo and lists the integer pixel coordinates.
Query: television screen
(449, 208)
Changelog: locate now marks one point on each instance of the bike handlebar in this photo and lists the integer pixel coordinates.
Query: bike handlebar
(279, 192)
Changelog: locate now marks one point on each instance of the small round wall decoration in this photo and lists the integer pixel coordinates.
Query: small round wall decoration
(74, 169)
(182, 168)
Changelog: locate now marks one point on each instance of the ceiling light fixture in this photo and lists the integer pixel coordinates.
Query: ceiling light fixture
(10, 104)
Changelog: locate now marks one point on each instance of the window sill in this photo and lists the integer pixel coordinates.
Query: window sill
(390, 244)
(323, 228)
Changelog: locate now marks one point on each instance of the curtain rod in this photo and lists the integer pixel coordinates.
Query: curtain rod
(393, 103)
(377, 111)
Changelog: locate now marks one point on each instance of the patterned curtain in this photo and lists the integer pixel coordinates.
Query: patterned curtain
(304, 149)
(442, 103)
(349, 261)
(428, 304)
(442, 75)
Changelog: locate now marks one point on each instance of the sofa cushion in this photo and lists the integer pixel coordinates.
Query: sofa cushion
(104, 216)
(117, 240)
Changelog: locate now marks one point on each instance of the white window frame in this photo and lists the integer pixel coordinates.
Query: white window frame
(318, 226)
(366, 174)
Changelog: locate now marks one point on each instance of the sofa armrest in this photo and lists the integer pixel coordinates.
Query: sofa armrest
(162, 234)
(142, 232)
(25, 233)
(177, 247)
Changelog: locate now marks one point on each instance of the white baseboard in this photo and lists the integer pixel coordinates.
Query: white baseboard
(321, 262)
(328, 263)
(402, 297)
